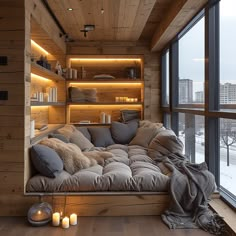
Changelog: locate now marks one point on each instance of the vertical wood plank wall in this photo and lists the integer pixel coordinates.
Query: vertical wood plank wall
(151, 68)
(15, 18)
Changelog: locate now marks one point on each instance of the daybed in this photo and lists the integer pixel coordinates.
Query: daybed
(113, 159)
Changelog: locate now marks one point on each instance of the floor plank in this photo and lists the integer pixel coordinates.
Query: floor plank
(97, 226)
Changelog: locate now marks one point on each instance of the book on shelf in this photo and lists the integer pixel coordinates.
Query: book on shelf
(84, 122)
(52, 94)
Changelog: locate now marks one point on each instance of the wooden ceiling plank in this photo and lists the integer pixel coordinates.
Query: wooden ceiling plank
(130, 12)
(179, 14)
(143, 13)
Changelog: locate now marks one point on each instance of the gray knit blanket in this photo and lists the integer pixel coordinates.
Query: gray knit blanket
(190, 188)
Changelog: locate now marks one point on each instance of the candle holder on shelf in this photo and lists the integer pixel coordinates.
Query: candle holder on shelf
(40, 213)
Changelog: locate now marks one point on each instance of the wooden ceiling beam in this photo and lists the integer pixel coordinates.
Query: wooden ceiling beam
(178, 14)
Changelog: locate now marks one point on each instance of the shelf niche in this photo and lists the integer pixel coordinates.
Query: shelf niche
(111, 94)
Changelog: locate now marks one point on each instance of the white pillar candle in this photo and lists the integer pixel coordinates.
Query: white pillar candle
(65, 223)
(108, 119)
(73, 219)
(103, 117)
(56, 219)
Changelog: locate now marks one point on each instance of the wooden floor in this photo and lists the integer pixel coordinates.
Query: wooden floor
(96, 226)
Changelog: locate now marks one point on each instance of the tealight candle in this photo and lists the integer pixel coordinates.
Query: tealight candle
(56, 219)
(136, 100)
(117, 99)
(65, 223)
(73, 219)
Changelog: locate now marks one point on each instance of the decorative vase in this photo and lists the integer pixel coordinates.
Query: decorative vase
(40, 214)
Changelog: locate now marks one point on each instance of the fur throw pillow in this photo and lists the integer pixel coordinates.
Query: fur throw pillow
(99, 156)
(71, 155)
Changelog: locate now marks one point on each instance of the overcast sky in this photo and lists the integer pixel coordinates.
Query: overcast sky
(191, 48)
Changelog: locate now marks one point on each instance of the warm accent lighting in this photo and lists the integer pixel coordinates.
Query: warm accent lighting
(69, 9)
(105, 59)
(39, 47)
(104, 106)
(38, 107)
(108, 84)
(39, 77)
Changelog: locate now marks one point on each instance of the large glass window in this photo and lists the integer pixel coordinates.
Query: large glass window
(190, 116)
(228, 154)
(191, 65)
(227, 55)
(192, 134)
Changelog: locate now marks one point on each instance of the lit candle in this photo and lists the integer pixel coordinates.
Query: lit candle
(73, 219)
(56, 219)
(132, 99)
(65, 223)
(117, 99)
(136, 99)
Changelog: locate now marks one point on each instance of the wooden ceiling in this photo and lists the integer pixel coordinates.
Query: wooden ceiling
(123, 20)
(156, 21)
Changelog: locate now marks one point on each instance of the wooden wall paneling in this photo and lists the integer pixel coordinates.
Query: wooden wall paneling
(40, 114)
(12, 42)
(56, 115)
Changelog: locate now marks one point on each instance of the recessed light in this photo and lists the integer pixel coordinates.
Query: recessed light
(69, 9)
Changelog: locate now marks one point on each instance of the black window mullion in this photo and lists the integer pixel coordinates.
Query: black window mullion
(174, 85)
(212, 145)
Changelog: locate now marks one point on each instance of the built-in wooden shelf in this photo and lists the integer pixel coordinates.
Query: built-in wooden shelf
(41, 71)
(33, 103)
(44, 133)
(104, 103)
(123, 80)
(91, 124)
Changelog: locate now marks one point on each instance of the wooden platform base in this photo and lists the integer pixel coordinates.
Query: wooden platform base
(93, 204)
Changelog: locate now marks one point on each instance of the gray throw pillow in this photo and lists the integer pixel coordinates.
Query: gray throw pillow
(128, 115)
(60, 137)
(85, 132)
(101, 136)
(123, 133)
(46, 161)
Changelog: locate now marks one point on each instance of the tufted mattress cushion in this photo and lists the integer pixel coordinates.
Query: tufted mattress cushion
(130, 169)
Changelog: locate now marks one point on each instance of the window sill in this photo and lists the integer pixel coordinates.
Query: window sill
(225, 211)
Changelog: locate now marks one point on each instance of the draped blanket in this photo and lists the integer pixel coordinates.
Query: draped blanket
(190, 187)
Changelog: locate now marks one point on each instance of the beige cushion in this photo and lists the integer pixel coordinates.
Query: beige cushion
(149, 124)
(144, 136)
(76, 137)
